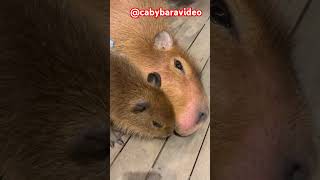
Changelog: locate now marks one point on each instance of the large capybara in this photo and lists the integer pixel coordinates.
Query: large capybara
(150, 46)
(138, 106)
(53, 86)
(261, 124)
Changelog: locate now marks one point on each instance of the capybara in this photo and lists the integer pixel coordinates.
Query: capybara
(137, 105)
(53, 86)
(149, 44)
(261, 123)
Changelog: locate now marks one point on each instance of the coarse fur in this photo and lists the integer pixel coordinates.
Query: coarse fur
(261, 122)
(53, 86)
(128, 91)
(136, 38)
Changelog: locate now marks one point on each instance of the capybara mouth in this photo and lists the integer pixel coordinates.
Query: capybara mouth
(187, 132)
(161, 136)
(181, 135)
(175, 133)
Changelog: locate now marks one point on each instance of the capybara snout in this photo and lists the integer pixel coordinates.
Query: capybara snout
(294, 170)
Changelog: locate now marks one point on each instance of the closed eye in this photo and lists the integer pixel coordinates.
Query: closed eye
(157, 124)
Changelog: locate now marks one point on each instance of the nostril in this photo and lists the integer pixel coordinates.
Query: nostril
(296, 172)
(202, 117)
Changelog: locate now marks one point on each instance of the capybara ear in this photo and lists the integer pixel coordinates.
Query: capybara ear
(163, 41)
(140, 106)
(154, 79)
(91, 144)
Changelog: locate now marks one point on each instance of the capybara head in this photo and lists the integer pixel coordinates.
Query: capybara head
(261, 123)
(181, 83)
(138, 106)
(151, 47)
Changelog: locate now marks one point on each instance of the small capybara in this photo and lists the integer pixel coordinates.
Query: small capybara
(53, 86)
(137, 105)
(150, 46)
(262, 128)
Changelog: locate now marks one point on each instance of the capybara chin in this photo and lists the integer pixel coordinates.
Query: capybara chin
(150, 46)
(262, 128)
(137, 105)
(53, 86)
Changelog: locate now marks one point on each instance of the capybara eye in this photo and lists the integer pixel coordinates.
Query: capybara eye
(178, 65)
(220, 13)
(154, 79)
(140, 107)
(156, 124)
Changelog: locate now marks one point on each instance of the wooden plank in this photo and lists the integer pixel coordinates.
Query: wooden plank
(202, 167)
(201, 46)
(135, 159)
(179, 154)
(191, 28)
(117, 148)
(205, 77)
(178, 23)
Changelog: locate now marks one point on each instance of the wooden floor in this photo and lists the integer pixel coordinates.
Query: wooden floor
(177, 158)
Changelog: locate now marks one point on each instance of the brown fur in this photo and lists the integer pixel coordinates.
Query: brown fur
(127, 89)
(261, 124)
(53, 104)
(135, 39)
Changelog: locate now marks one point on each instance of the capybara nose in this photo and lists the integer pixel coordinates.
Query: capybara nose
(202, 117)
(297, 171)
